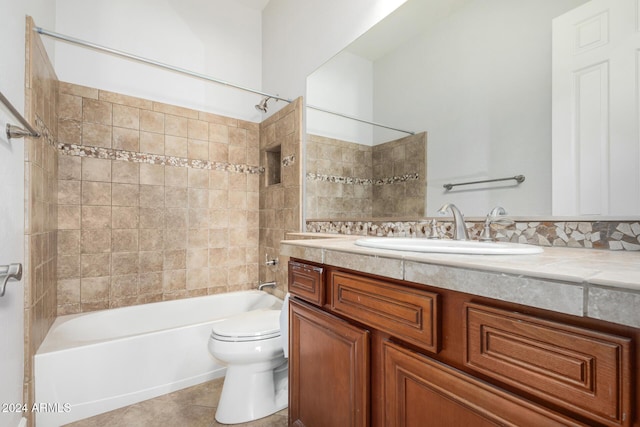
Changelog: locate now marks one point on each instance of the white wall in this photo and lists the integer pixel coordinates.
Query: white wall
(343, 84)
(479, 83)
(12, 72)
(217, 38)
(300, 35)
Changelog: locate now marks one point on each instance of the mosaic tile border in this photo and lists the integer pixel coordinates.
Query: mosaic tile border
(44, 132)
(154, 159)
(362, 181)
(611, 235)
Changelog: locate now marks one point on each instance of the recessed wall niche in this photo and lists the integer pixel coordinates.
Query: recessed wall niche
(274, 163)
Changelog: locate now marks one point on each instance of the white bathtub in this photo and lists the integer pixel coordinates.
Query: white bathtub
(96, 362)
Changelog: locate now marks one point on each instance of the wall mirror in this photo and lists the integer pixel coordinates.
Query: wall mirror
(472, 80)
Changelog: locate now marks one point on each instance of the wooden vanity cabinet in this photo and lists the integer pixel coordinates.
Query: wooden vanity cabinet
(382, 352)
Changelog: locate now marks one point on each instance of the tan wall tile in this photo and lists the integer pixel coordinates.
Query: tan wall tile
(176, 218)
(150, 283)
(218, 152)
(151, 121)
(151, 196)
(197, 278)
(198, 129)
(197, 258)
(125, 240)
(151, 174)
(237, 155)
(175, 110)
(176, 176)
(70, 131)
(96, 217)
(125, 172)
(68, 217)
(218, 199)
(175, 239)
(197, 239)
(151, 262)
(95, 111)
(131, 101)
(68, 291)
(152, 143)
(152, 218)
(69, 167)
(199, 218)
(125, 194)
(69, 192)
(175, 146)
(96, 241)
(78, 90)
(175, 197)
(218, 180)
(96, 169)
(174, 280)
(124, 263)
(151, 239)
(126, 117)
(68, 266)
(199, 197)
(198, 178)
(124, 217)
(124, 286)
(69, 107)
(176, 126)
(198, 150)
(175, 259)
(95, 265)
(96, 193)
(94, 289)
(68, 242)
(126, 139)
(218, 133)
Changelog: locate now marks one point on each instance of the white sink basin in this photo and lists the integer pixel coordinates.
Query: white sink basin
(448, 246)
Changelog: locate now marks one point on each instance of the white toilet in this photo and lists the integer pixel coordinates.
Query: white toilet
(253, 345)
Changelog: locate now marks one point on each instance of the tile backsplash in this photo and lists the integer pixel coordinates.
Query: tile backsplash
(612, 235)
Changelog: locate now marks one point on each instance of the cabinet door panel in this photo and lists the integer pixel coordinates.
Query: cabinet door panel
(419, 391)
(585, 371)
(328, 370)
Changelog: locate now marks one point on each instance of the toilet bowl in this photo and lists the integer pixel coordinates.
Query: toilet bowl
(251, 346)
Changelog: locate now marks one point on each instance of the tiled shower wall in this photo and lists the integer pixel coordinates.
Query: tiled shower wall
(350, 180)
(280, 193)
(155, 201)
(41, 170)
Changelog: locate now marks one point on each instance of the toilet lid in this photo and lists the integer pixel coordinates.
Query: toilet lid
(249, 326)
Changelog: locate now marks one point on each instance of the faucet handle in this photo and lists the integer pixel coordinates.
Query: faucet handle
(433, 234)
(494, 218)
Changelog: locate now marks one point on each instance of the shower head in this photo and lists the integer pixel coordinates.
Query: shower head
(262, 105)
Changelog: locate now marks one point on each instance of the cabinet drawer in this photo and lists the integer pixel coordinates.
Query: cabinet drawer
(306, 282)
(585, 371)
(403, 312)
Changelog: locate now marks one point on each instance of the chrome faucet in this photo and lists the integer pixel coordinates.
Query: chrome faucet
(459, 228)
(493, 218)
(262, 285)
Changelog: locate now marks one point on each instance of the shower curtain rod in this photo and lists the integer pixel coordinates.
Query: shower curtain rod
(346, 116)
(133, 57)
(15, 131)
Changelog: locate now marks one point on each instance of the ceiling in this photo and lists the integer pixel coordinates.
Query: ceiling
(254, 4)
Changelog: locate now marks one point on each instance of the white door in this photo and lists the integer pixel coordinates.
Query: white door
(595, 120)
(11, 251)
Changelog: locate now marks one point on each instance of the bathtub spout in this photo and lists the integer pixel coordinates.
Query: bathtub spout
(261, 285)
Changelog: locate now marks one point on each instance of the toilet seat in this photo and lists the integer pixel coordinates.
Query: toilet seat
(255, 325)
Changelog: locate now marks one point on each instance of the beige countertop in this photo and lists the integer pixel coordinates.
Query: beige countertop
(593, 283)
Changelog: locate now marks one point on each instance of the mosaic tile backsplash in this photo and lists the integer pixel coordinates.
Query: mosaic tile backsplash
(612, 235)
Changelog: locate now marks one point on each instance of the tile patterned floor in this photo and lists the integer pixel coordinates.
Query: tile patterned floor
(191, 407)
